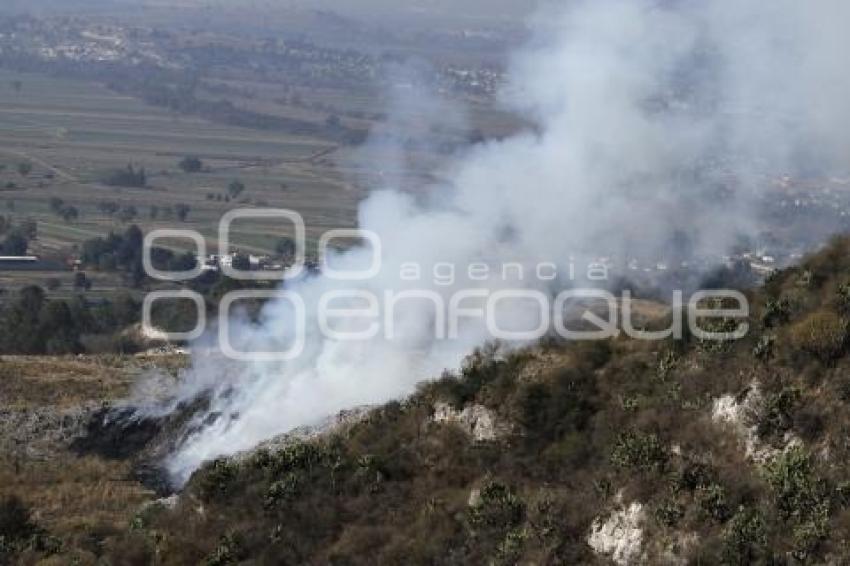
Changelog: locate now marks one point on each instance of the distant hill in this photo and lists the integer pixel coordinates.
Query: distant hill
(372, 10)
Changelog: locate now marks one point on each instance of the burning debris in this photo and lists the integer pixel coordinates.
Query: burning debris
(128, 433)
(655, 125)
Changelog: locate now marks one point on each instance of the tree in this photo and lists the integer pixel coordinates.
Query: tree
(182, 211)
(21, 331)
(333, 122)
(15, 244)
(125, 309)
(81, 281)
(24, 168)
(235, 189)
(31, 298)
(128, 214)
(67, 212)
(285, 248)
(191, 164)
(129, 177)
(29, 229)
(116, 251)
(56, 204)
(58, 326)
(70, 213)
(108, 207)
(183, 262)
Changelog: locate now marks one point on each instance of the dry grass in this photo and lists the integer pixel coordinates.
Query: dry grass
(68, 382)
(71, 495)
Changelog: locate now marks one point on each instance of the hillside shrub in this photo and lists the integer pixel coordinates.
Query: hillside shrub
(774, 416)
(713, 500)
(777, 312)
(669, 512)
(763, 351)
(638, 451)
(497, 507)
(16, 522)
(216, 478)
(745, 537)
(799, 494)
(822, 335)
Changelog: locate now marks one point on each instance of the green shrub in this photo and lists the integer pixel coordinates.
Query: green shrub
(261, 459)
(669, 512)
(228, 551)
(808, 535)
(775, 414)
(635, 450)
(822, 335)
(843, 297)
(510, 549)
(369, 472)
(666, 364)
(776, 313)
(298, 456)
(799, 494)
(695, 475)
(551, 410)
(283, 490)
(497, 507)
(745, 538)
(216, 478)
(479, 369)
(191, 164)
(764, 348)
(713, 500)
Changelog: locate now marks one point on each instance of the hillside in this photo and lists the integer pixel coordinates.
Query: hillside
(636, 452)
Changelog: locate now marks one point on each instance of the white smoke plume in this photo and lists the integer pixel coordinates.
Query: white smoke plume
(643, 109)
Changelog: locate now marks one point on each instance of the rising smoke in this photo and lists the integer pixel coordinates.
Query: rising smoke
(646, 113)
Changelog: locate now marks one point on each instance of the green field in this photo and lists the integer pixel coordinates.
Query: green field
(72, 132)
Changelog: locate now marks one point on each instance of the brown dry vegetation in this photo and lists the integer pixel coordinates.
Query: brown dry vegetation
(63, 382)
(592, 425)
(70, 495)
(76, 502)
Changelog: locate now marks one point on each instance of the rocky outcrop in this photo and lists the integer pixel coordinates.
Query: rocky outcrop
(620, 535)
(734, 412)
(479, 422)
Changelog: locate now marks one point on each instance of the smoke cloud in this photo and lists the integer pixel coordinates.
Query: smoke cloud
(653, 118)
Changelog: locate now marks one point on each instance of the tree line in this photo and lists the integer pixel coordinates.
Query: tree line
(32, 324)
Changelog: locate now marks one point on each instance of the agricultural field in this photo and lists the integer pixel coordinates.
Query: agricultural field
(60, 284)
(74, 133)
